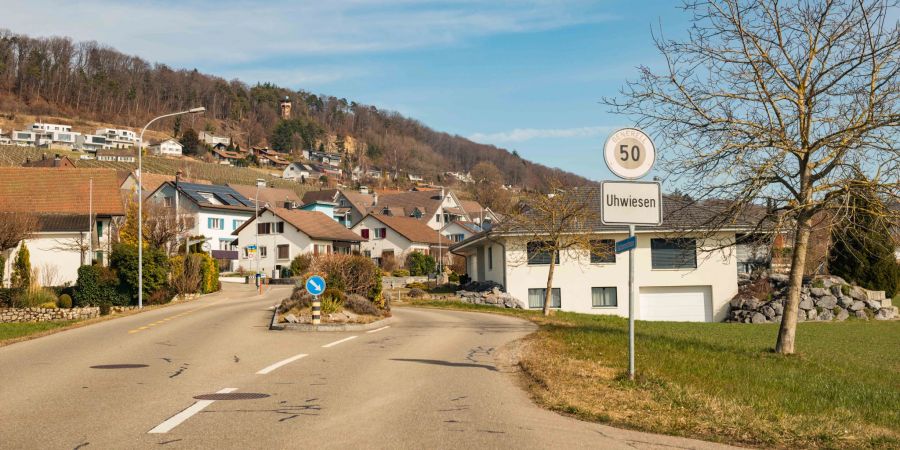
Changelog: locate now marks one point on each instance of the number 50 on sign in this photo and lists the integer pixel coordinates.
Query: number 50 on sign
(629, 153)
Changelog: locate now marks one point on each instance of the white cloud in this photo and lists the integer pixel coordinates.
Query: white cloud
(527, 134)
(203, 32)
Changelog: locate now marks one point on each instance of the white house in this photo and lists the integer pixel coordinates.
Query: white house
(50, 127)
(168, 147)
(680, 275)
(212, 139)
(270, 241)
(90, 142)
(434, 207)
(116, 155)
(458, 231)
(297, 172)
(118, 137)
(394, 237)
(75, 212)
(214, 211)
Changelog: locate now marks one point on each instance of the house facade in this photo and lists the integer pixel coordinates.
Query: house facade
(118, 137)
(168, 147)
(394, 237)
(459, 231)
(116, 155)
(680, 275)
(269, 242)
(211, 139)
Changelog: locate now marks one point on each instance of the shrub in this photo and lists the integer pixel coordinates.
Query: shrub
(48, 305)
(105, 309)
(416, 293)
(160, 296)
(400, 273)
(352, 274)
(453, 278)
(64, 301)
(420, 264)
(389, 263)
(301, 264)
(332, 301)
(124, 260)
(845, 289)
(21, 273)
(209, 274)
(185, 274)
(417, 285)
(35, 297)
(360, 305)
(98, 285)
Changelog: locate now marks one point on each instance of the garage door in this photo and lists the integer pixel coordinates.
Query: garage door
(676, 304)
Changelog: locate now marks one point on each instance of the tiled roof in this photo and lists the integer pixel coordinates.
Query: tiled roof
(226, 197)
(325, 195)
(472, 227)
(61, 163)
(472, 207)
(47, 190)
(272, 196)
(361, 202)
(411, 228)
(152, 181)
(312, 223)
(428, 202)
(63, 222)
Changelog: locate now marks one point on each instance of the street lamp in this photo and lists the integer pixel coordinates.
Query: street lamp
(140, 192)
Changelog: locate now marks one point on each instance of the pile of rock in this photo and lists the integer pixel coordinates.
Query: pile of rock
(488, 293)
(823, 298)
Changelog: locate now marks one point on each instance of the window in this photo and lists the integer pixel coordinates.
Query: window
(169, 202)
(604, 297)
(673, 253)
(215, 223)
(536, 298)
(321, 249)
(283, 251)
(99, 229)
(380, 233)
(262, 252)
(263, 228)
(457, 237)
(279, 227)
(364, 232)
(539, 254)
(491, 258)
(210, 198)
(235, 224)
(603, 251)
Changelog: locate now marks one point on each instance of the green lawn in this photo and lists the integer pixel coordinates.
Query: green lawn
(719, 381)
(17, 330)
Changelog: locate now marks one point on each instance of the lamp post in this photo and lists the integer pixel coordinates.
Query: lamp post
(140, 192)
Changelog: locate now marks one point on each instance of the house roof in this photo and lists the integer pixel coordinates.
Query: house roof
(361, 202)
(152, 181)
(411, 228)
(63, 222)
(427, 202)
(157, 144)
(48, 190)
(471, 206)
(61, 163)
(222, 197)
(471, 227)
(272, 196)
(325, 195)
(311, 223)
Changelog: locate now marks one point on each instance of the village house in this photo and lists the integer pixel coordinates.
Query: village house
(436, 207)
(118, 137)
(395, 237)
(90, 142)
(116, 155)
(350, 206)
(212, 140)
(227, 157)
(76, 213)
(168, 147)
(214, 212)
(269, 196)
(56, 162)
(459, 230)
(683, 273)
(276, 236)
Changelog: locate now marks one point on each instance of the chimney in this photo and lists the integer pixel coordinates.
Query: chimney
(374, 198)
(178, 176)
(363, 189)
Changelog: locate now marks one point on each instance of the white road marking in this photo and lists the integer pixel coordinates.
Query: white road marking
(177, 419)
(378, 329)
(280, 363)
(338, 342)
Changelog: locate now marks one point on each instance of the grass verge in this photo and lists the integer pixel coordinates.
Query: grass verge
(717, 381)
(16, 331)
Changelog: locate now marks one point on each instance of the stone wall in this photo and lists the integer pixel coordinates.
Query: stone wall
(488, 293)
(399, 282)
(8, 315)
(824, 298)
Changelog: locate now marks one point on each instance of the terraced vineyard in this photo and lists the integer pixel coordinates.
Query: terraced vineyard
(215, 173)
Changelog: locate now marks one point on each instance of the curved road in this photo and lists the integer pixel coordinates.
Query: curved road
(430, 380)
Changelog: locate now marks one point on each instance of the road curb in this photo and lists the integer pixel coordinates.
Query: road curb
(326, 327)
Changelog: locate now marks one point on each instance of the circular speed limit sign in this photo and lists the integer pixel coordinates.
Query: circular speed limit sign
(629, 153)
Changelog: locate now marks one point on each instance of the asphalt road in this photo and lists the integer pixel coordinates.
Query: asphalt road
(432, 379)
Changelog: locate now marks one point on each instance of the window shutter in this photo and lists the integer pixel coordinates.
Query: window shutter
(364, 233)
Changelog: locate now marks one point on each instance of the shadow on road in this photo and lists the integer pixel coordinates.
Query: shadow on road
(446, 363)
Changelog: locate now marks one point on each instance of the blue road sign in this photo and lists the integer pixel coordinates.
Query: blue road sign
(315, 285)
(626, 244)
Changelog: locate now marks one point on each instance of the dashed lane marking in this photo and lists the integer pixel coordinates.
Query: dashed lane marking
(280, 363)
(177, 419)
(338, 342)
(378, 329)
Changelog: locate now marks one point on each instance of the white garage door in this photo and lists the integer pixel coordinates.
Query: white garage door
(676, 304)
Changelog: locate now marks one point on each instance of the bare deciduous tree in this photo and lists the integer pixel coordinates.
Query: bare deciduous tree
(14, 227)
(551, 224)
(162, 226)
(789, 103)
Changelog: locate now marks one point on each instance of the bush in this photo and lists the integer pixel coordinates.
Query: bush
(417, 285)
(98, 285)
(209, 274)
(301, 264)
(352, 274)
(21, 273)
(360, 305)
(453, 278)
(64, 301)
(34, 297)
(105, 309)
(400, 273)
(185, 274)
(332, 301)
(416, 293)
(420, 264)
(48, 305)
(124, 260)
(389, 263)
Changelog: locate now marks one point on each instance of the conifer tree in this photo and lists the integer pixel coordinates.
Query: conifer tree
(21, 274)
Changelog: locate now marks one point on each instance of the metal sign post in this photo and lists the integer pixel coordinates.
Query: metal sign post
(629, 153)
(315, 285)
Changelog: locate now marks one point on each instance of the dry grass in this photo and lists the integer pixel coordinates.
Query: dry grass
(720, 382)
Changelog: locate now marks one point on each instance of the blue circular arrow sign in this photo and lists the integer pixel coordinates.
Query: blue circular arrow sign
(315, 285)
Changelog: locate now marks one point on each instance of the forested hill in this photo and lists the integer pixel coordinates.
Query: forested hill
(89, 81)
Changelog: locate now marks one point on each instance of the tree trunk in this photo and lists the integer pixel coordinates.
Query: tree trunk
(788, 330)
(548, 293)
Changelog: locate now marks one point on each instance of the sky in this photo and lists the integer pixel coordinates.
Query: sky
(525, 75)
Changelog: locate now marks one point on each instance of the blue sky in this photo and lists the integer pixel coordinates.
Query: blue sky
(521, 74)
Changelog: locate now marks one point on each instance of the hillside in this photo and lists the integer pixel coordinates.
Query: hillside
(86, 81)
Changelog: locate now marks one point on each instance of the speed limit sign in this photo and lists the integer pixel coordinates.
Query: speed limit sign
(629, 153)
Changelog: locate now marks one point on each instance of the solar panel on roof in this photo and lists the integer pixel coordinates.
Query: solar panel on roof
(224, 194)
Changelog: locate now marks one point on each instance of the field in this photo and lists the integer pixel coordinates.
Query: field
(720, 382)
(216, 173)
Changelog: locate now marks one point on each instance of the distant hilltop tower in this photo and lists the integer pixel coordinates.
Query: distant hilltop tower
(286, 108)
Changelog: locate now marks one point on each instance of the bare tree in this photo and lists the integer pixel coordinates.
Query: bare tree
(162, 226)
(49, 274)
(788, 103)
(80, 244)
(551, 224)
(14, 227)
